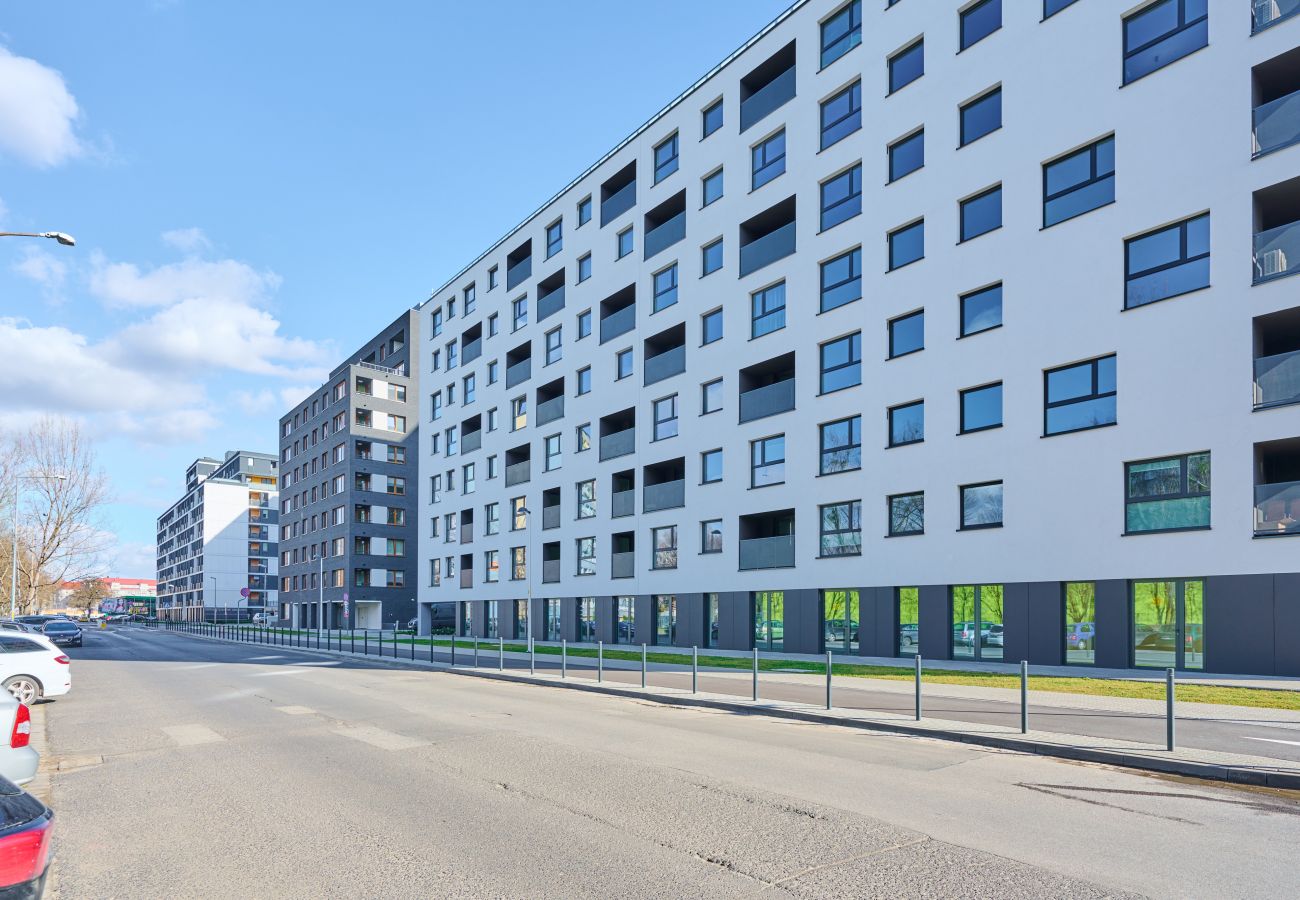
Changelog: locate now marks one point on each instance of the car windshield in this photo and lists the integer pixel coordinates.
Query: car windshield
(60, 626)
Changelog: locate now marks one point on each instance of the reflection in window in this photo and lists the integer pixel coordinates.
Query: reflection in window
(1168, 262)
(981, 310)
(1079, 183)
(981, 505)
(1162, 33)
(769, 620)
(1080, 396)
(841, 446)
(907, 514)
(1080, 623)
(909, 621)
(840, 611)
(1169, 494)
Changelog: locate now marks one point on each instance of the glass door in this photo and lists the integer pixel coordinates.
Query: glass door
(521, 620)
(1169, 624)
(977, 626)
(840, 620)
(963, 622)
(909, 622)
(665, 620)
(769, 619)
(492, 620)
(626, 631)
(711, 626)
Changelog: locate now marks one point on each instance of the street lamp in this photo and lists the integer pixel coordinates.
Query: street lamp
(211, 579)
(528, 568)
(65, 239)
(13, 579)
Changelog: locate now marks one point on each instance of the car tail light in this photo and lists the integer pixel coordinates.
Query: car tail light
(23, 855)
(22, 734)
(62, 659)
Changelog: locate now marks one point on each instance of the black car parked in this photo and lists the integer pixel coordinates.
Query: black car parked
(62, 632)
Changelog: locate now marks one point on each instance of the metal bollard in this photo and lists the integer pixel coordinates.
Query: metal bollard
(412, 648)
(532, 656)
(501, 654)
(1169, 710)
(600, 661)
(1024, 697)
(828, 679)
(365, 644)
(564, 659)
(918, 687)
(755, 674)
(476, 653)
(453, 650)
(695, 670)
(352, 646)
(643, 665)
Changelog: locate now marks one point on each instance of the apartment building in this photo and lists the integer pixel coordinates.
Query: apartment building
(960, 328)
(216, 545)
(348, 490)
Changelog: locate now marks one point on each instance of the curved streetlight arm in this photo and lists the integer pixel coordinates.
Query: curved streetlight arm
(66, 240)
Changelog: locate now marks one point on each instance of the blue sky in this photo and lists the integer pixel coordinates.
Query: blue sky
(254, 186)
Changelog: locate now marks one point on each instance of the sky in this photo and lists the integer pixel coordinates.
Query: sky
(256, 187)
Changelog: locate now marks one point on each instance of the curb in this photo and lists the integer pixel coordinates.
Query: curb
(1187, 768)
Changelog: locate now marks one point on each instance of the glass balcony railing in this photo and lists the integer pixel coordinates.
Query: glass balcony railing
(1277, 252)
(767, 401)
(519, 273)
(471, 441)
(665, 365)
(767, 553)
(467, 533)
(1277, 508)
(622, 565)
(667, 234)
(621, 322)
(665, 495)
(767, 99)
(618, 203)
(550, 304)
(620, 443)
(518, 473)
(622, 503)
(550, 571)
(471, 351)
(767, 249)
(466, 578)
(550, 517)
(550, 410)
(1269, 12)
(519, 372)
(1277, 124)
(1277, 379)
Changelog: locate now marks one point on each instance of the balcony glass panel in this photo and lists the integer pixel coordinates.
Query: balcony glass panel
(767, 249)
(518, 473)
(1277, 508)
(767, 401)
(666, 495)
(519, 372)
(550, 571)
(466, 578)
(550, 517)
(1277, 124)
(550, 410)
(618, 323)
(618, 203)
(471, 441)
(620, 443)
(548, 305)
(665, 235)
(767, 553)
(473, 350)
(1277, 252)
(665, 365)
(1164, 515)
(1277, 379)
(519, 273)
(622, 565)
(771, 97)
(622, 503)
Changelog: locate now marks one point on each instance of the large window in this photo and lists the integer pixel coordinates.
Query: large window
(1080, 396)
(841, 446)
(586, 499)
(1165, 263)
(840, 614)
(981, 310)
(768, 159)
(842, 197)
(587, 620)
(552, 619)
(626, 612)
(979, 21)
(981, 116)
(664, 542)
(1079, 182)
(665, 619)
(907, 514)
(1162, 33)
(841, 32)
(906, 245)
(711, 536)
(1169, 624)
(981, 408)
(586, 547)
(981, 505)
(665, 288)
(906, 65)
(841, 363)
(767, 461)
(842, 115)
(841, 529)
(908, 641)
(665, 418)
(769, 620)
(666, 158)
(977, 622)
(907, 424)
(768, 310)
(841, 279)
(1169, 494)
(906, 155)
(710, 466)
(1080, 623)
(982, 213)
(907, 334)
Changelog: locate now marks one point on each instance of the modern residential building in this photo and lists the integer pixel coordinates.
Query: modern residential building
(954, 327)
(216, 545)
(348, 490)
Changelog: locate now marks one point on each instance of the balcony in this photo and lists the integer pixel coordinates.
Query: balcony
(767, 553)
(519, 372)
(466, 579)
(471, 441)
(1270, 12)
(616, 323)
(767, 401)
(622, 503)
(665, 365)
(471, 351)
(767, 249)
(551, 303)
(620, 443)
(1277, 124)
(618, 195)
(622, 565)
(1277, 380)
(550, 410)
(665, 495)
(519, 265)
(550, 571)
(518, 473)
(768, 87)
(467, 533)
(550, 517)
(1277, 508)
(667, 234)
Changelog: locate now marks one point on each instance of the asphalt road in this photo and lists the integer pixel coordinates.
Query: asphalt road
(198, 769)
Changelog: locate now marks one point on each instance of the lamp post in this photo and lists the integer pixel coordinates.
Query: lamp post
(211, 579)
(528, 569)
(64, 239)
(13, 573)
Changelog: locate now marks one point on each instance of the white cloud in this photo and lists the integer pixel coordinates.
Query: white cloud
(37, 113)
(124, 284)
(255, 402)
(45, 269)
(187, 240)
(132, 559)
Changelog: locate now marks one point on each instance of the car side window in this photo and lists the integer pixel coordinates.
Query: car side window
(11, 644)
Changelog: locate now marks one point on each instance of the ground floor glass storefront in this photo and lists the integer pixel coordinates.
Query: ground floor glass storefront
(1169, 624)
(841, 615)
(769, 620)
(977, 622)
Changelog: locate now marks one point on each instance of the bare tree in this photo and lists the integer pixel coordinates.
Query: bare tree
(88, 594)
(60, 533)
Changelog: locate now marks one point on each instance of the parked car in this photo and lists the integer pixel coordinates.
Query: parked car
(908, 637)
(36, 621)
(31, 667)
(993, 636)
(11, 625)
(1080, 636)
(62, 633)
(18, 758)
(262, 618)
(25, 827)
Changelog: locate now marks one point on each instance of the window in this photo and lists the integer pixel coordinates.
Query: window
(587, 499)
(1080, 623)
(586, 560)
(666, 158)
(1162, 33)
(1052, 7)
(466, 479)
(492, 419)
(842, 197)
(767, 461)
(908, 639)
(982, 213)
(711, 119)
(665, 288)
(1079, 182)
(711, 257)
(554, 349)
(584, 324)
(981, 408)
(841, 363)
(841, 529)
(711, 187)
(1168, 262)
(582, 437)
(468, 387)
(981, 116)
(624, 242)
(492, 325)
(841, 32)
(907, 334)
(767, 310)
(492, 466)
(1080, 396)
(711, 536)
(519, 313)
(907, 514)
(841, 279)
(906, 245)
(518, 518)
(841, 446)
(768, 160)
(622, 364)
(711, 397)
(981, 505)
(584, 267)
(491, 567)
(394, 485)
(907, 424)
(584, 380)
(626, 607)
(979, 21)
(554, 239)
(1170, 494)
(665, 418)
(906, 66)
(906, 155)
(711, 327)
(710, 466)
(584, 211)
(492, 278)
(492, 518)
(664, 541)
(842, 115)
(981, 310)
(552, 449)
(518, 563)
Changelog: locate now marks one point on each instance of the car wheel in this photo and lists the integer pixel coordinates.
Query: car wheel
(24, 688)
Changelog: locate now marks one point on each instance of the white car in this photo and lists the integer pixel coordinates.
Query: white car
(31, 667)
(263, 618)
(18, 759)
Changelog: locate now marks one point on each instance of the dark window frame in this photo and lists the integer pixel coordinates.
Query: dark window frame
(961, 506)
(897, 56)
(755, 317)
(705, 130)
(895, 233)
(963, 205)
(704, 257)
(889, 424)
(853, 91)
(673, 143)
(889, 514)
(760, 444)
(1184, 24)
(965, 139)
(1182, 260)
(755, 169)
(962, 43)
(854, 361)
(961, 408)
(1094, 178)
(855, 274)
(844, 448)
(854, 175)
(889, 327)
(853, 506)
(1095, 395)
(1186, 493)
(890, 149)
(852, 35)
(961, 310)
